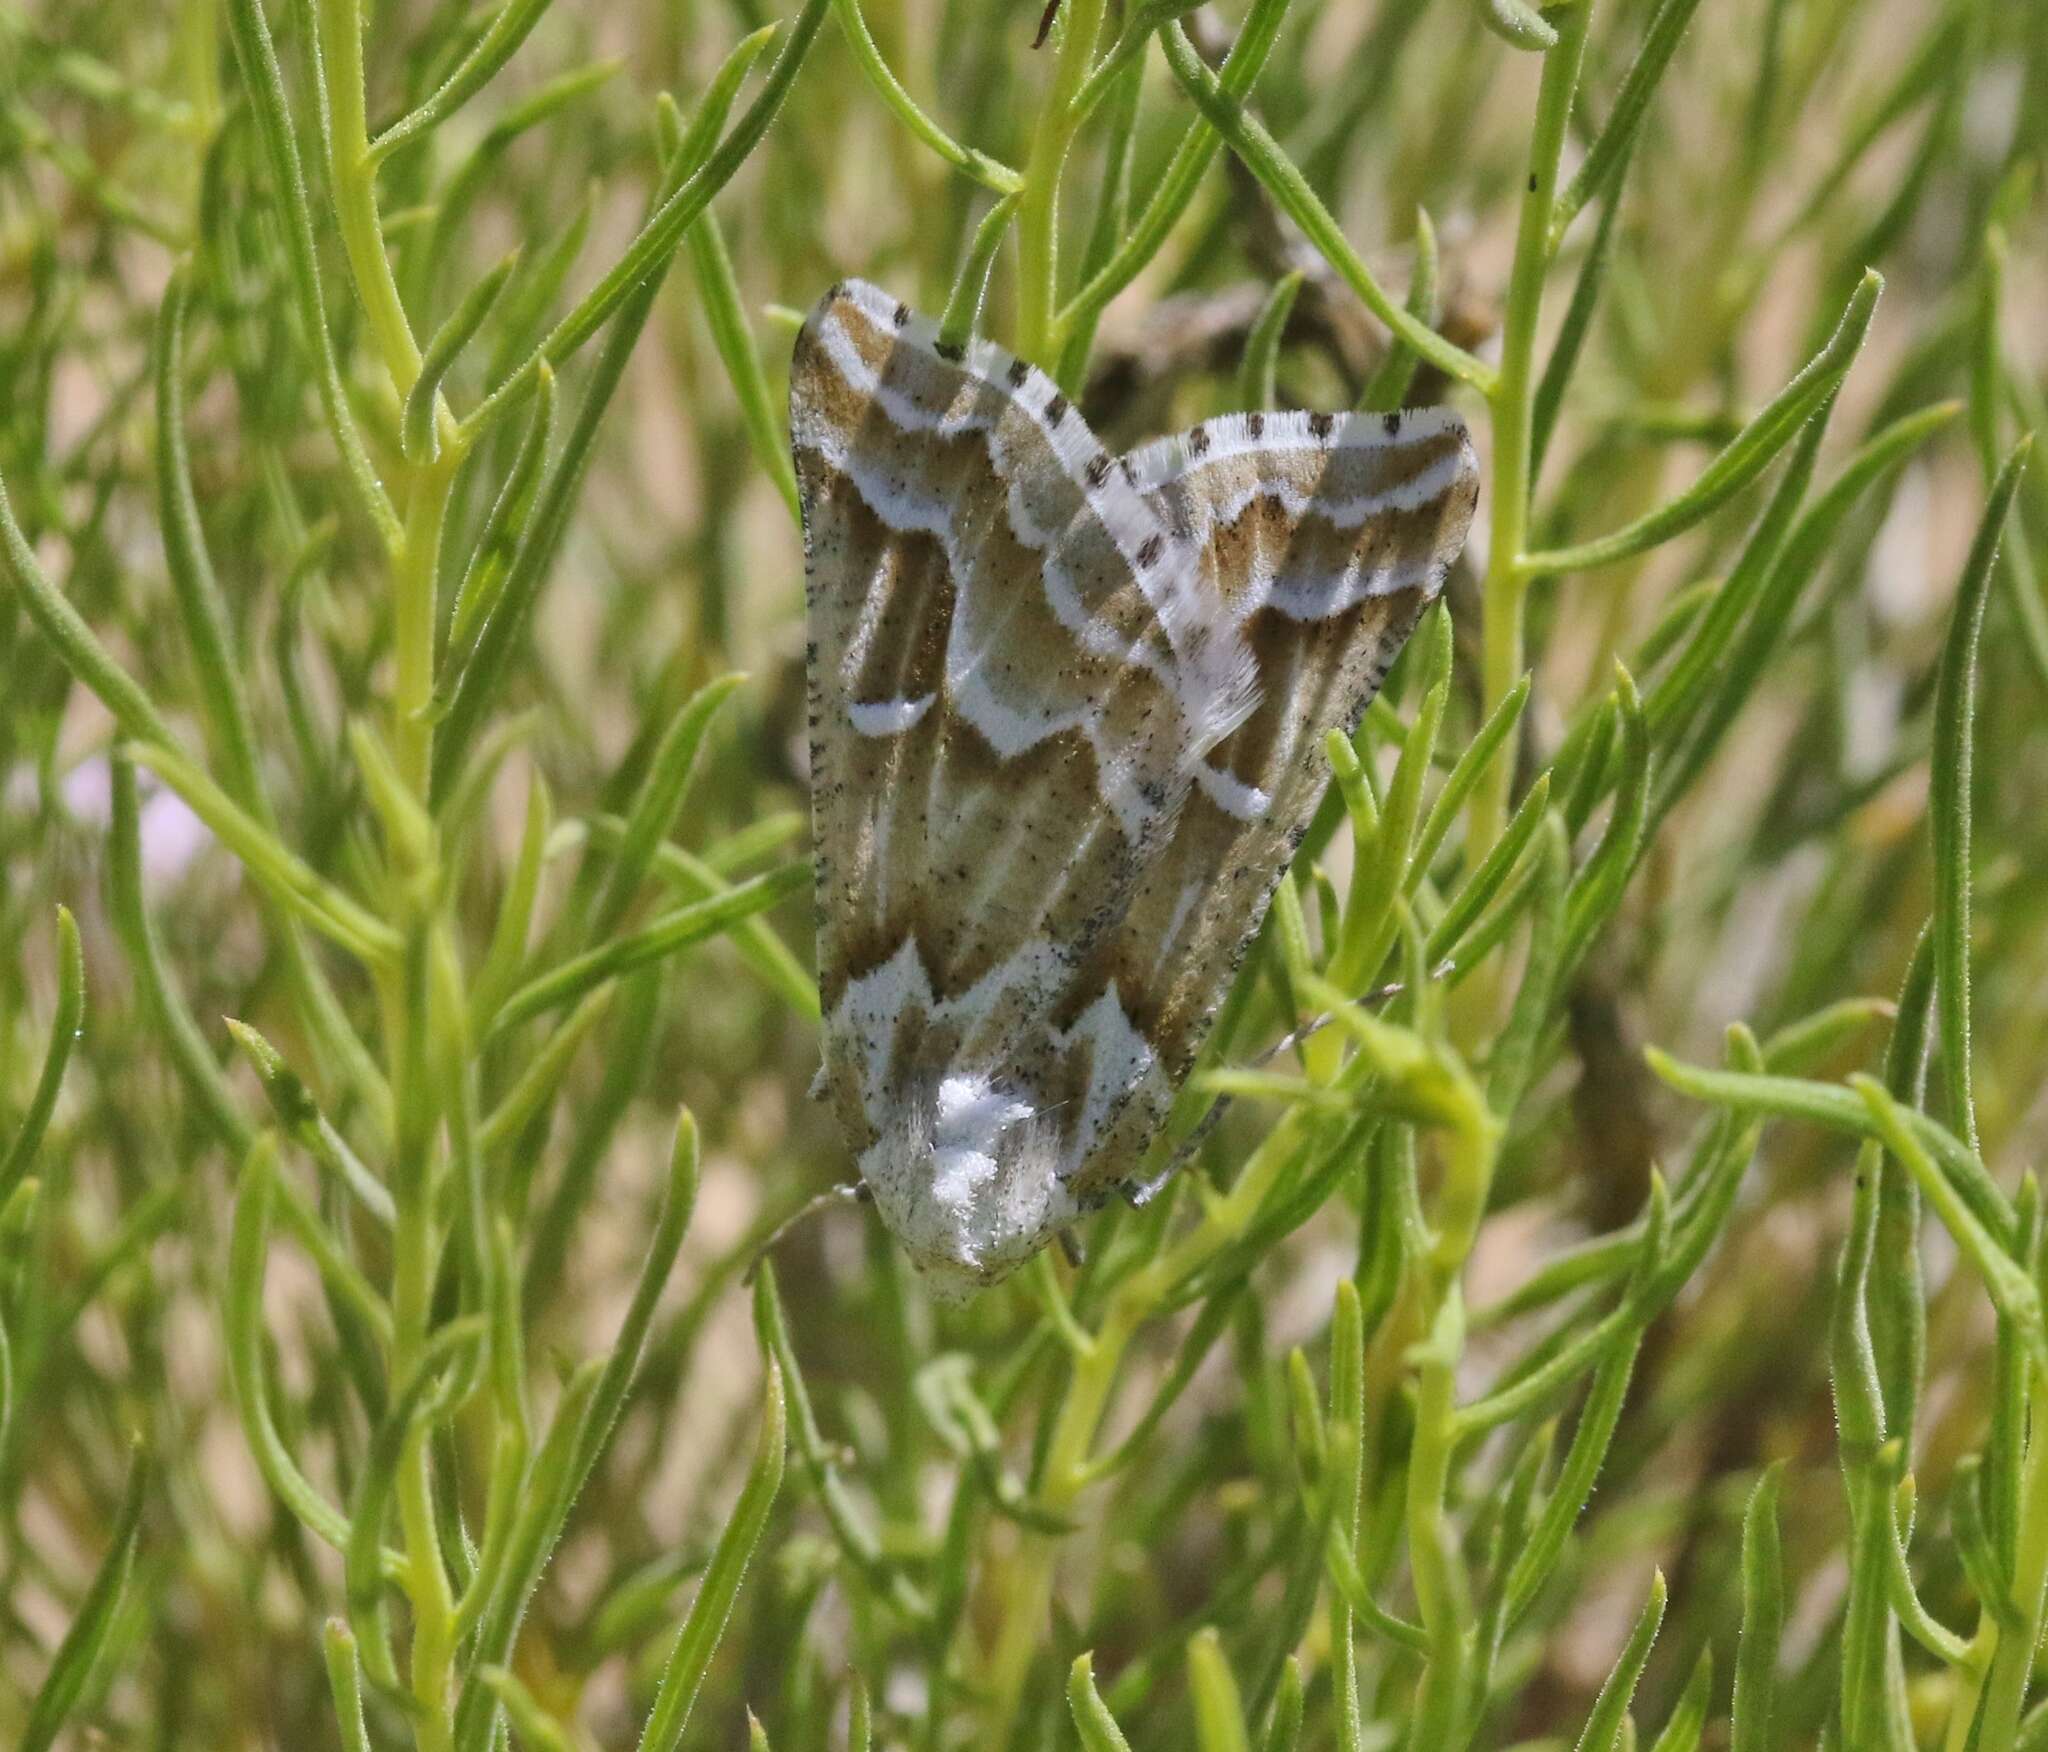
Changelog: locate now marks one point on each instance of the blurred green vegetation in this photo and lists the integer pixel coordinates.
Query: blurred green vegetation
(404, 995)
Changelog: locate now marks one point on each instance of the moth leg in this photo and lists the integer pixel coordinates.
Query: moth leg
(851, 1193)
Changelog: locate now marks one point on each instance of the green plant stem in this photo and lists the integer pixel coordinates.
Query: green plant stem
(1511, 401)
(1440, 1597)
(2012, 1662)
(1039, 208)
(412, 618)
(352, 171)
(427, 1585)
(352, 175)
(1067, 1468)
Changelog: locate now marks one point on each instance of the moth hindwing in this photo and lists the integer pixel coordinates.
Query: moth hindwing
(1066, 722)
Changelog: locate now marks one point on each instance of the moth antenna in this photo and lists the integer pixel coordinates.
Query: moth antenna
(853, 1192)
(1316, 1024)
(1287, 1043)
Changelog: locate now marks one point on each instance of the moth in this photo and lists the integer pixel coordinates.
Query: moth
(1066, 720)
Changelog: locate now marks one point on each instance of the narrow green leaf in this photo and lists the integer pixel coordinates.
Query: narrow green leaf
(1476, 757)
(1926, 70)
(1990, 377)
(1123, 83)
(1980, 1558)
(480, 168)
(671, 932)
(652, 816)
(1379, 874)
(1812, 1040)
(67, 1024)
(491, 560)
(363, 1552)
(17, 1230)
(514, 926)
(419, 437)
(1518, 24)
(1746, 456)
(1257, 368)
(1597, 1421)
(1841, 1110)
(692, 177)
(540, 1076)
(500, 40)
(856, 1539)
(201, 608)
(1949, 802)
(407, 830)
(1763, 1619)
(691, 878)
(679, 1203)
(1225, 112)
(543, 1507)
(1603, 1729)
(248, 1243)
(471, 690)
(345, 1681)
(1689, 1715)
(85, 1641)
(687, 1663)
(1597, 889)
(1209, 1325)
(1514, 1055)
(963, 304)
(583, 1426)
(1388, 386)
(1219, 1713)
(1914, 1618)
(718, 287)
(290, 881)
(2010, 1286)
(1548, 400)
(1283, 1726)
(78, 647)
(627, 1057)
(1092, 1720)
(186, 1046)
(1176, 186)
(1607, 160)
(530, 300)
(1584, 761)
(859, 1716)
(535, 1728)
(647, 255)
(309, 1128)
(1502, 866)
(264, 81)
(982, 168)
(1356, 1594)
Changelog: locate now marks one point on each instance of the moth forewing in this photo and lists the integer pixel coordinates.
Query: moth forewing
(1066, 715)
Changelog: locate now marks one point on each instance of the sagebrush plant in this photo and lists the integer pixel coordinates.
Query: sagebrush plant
(1618, 1323)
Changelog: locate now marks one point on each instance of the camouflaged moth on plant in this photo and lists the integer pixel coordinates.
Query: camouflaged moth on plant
(1067, 717)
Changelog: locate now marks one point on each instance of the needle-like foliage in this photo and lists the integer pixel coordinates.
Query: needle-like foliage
(1601, 1303)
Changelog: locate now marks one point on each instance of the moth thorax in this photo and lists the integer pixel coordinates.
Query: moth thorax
(967, 1176)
